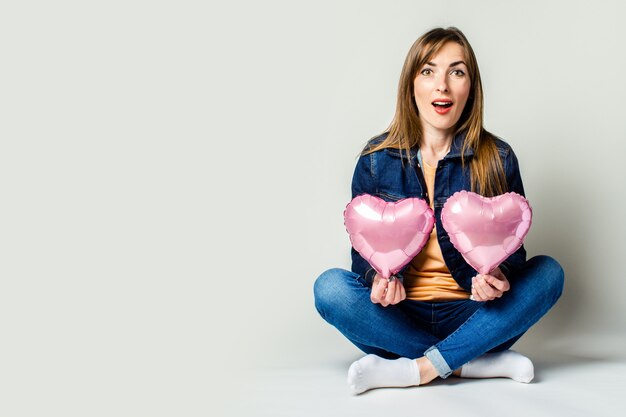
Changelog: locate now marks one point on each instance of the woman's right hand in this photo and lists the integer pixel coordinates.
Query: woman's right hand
(387, 292)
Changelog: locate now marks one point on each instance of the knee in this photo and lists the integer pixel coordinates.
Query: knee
(328, 288)
(550, 273)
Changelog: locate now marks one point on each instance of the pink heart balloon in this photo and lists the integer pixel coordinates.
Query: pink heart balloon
(388, 234)
(486, 230)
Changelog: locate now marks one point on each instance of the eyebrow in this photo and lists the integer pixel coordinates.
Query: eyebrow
(451, 65)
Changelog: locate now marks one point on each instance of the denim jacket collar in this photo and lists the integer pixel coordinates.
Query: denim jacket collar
(457, 145)
(455, 149)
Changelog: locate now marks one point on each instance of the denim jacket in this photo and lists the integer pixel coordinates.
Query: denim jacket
(382, 174)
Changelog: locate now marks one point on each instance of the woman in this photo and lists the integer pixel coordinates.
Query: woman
(437, 316)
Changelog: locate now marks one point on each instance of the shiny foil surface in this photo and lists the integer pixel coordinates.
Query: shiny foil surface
(388, 234)
(486, 230)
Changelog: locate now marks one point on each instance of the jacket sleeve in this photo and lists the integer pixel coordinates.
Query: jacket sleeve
(514, 181)
(363, 182)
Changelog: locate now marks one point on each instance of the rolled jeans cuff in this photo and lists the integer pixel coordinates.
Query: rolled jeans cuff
(440, 364)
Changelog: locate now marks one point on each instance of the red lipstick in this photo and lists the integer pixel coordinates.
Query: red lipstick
(442, 105)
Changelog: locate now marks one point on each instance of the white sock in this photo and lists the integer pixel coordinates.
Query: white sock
(372, 371)
(508, 364)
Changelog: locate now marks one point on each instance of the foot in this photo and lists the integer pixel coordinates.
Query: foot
(506, 364)
(372, 371)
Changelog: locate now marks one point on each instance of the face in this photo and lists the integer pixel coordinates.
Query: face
(443, 80)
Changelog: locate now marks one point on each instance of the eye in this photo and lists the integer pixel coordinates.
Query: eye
(426, 71)
(458, 72)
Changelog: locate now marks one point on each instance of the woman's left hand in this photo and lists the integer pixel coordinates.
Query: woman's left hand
(490, 286)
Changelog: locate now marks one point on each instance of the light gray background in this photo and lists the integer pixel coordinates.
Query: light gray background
(173, 176)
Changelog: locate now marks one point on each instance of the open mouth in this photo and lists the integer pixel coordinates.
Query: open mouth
(442, 104)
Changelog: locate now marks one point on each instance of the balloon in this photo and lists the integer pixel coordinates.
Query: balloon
(388, 234)
(486, 230)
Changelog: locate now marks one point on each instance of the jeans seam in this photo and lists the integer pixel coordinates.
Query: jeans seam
(463, 324)
(433, 323)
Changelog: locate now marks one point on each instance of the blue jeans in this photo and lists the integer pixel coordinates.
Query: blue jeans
(450, 334)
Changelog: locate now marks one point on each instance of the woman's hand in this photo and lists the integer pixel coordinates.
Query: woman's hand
(489, 287)
(387, 292)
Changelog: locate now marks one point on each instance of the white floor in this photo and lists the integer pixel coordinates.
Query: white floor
(564, 385)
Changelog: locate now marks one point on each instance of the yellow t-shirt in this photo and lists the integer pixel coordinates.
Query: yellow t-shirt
(427, 277)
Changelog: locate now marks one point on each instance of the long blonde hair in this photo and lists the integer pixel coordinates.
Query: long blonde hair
(405, 131)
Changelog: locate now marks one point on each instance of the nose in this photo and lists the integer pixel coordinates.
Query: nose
(442, 82)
